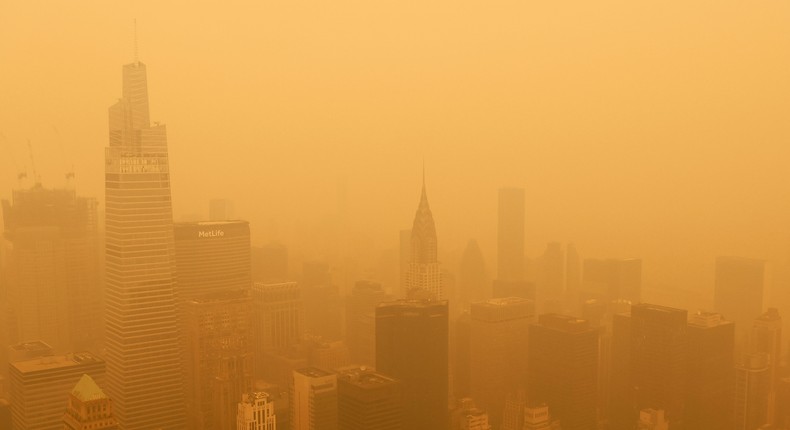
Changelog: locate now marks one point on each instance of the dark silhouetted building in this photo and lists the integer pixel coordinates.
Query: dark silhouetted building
(711, 378)
(563, 369)
(368, 400)
(412, 347)
(361, 321)
(498, 347)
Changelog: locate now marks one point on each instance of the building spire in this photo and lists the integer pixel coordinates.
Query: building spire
(136, 58)
(424, 195)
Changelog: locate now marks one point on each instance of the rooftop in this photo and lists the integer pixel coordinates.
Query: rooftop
(313, 372)
(56, 362)
(87, 390)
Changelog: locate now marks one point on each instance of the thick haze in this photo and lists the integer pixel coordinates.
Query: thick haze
(653, 129)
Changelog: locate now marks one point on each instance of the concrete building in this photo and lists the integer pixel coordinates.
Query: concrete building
(499, 351)
(40, 387)
(256, 412)
(368, 400)
(89, 408)
(412, 346)
(752, 391)
(313, 400)
(277, 319)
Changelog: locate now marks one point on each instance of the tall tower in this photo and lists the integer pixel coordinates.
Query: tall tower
(142, 336)
(424, 272)
(498, 351)
(256, 412)
(739, 293)
(313, 399)
(752, 391)
(412, 346)
(563, 369)
(767, 338)
(510, 235)
(368, 400)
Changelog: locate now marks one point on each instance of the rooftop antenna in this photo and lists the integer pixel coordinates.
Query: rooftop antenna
(136, 58)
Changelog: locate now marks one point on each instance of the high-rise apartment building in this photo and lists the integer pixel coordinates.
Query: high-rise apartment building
(277, 318)
(313, 400)
(423, 272)
(498, 351)
(143, 346)
(659, 360)
(361, 321)
(256, 412)
(739, 293)
(510, 235)
(473, 284)
(218, 359)
(53, 277)
(412, 346)
(711, 378)
(40, 387)
(89, 408)
(752, 391)
(212, 257)
(368, 400)
(766, 337)
(563, 369)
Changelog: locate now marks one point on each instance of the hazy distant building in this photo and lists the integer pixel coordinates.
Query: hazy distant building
(423, 272)
(659, 357)
(499, 350)
(313, 400)
(472, 285)
(510, 235)
(766, 337)
(551, 281)
(513, 413)
(622, 405)
(783, 398)
(539, 418)
(525, 289)
(54, 280)
(711, 379)
(40, 388)
(221, 210)
(412, 346)
(471, 417)
(277, 318)
(739, 293)
(361, 321)
(322, 302)
(404, 248)
(218, 358)
(5, 414)
(89, 408)
(612, 279)
(652, 419)
(327, 354)
(256, 412)
(212, 257)
(279, 366)
(752, 391)
(563, 369)
(270, 263)
(368, 400)
(143, 348)
(462, 355)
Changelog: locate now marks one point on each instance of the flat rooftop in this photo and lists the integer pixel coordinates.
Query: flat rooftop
(56, 362)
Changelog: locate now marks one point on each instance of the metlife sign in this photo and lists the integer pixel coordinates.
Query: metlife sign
(210, 233)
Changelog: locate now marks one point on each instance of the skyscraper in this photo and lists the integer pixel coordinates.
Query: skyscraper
(256, 412)
(313, 400)
(767, 338)
(89, 408)
(563, 369)
(752, 391)
(368, 400)
(510, 235)
(711, 379)
(54, 282)
(424, 272)
(612, 279)
(218, 360)
(40, 388)
(361, 321)
(270, 263)
(739, 293)
(473, 285)
(412, 346)
(277, 318)
(659, 346)
(212, 257)
(142, 334)
(498, 347)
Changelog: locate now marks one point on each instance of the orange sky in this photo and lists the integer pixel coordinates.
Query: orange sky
(652, 129)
